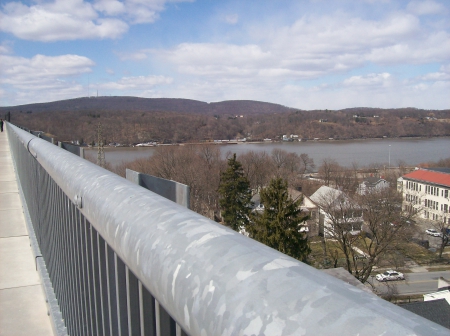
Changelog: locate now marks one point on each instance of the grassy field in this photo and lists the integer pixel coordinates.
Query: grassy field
(405, 251)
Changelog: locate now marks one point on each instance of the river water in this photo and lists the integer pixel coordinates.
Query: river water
(411, 151)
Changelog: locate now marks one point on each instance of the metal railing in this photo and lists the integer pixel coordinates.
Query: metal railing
(124, 261)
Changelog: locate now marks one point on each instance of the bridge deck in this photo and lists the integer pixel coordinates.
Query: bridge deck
(23, 309)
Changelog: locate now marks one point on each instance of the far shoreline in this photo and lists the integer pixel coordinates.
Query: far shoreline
(232, 142)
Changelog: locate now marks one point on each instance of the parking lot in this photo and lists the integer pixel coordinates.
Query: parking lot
(420, 227)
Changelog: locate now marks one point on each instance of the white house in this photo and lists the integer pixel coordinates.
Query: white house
(335, 207)
(372, 184)
(427, 190)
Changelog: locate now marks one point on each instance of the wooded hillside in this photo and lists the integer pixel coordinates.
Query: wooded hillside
(129, 120)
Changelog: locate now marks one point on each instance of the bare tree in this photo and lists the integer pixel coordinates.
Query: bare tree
(384, 228)
(364, 246)
(306, 164)
(286, 165)
(342, 222)
(257, 168)
(326, 170)
(443, 227)
(198, 167)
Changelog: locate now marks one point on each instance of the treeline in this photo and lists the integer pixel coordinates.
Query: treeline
(131, 126)
(200, 167)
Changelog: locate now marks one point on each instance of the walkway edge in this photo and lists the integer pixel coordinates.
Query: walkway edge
(57, 322)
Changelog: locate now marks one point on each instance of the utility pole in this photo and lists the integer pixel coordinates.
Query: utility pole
(389, 156)
(100, 144)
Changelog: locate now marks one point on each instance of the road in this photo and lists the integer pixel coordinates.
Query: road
(414, 283)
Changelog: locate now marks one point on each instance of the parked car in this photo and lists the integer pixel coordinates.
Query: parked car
(433, 232)
(390, 275)
(303, 228)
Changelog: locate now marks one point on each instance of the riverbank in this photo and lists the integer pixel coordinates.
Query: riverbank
(364, 152)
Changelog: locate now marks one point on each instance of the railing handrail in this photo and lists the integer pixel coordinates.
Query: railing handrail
(210, 279)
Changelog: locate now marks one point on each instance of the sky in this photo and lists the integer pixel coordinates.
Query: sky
(305, 54)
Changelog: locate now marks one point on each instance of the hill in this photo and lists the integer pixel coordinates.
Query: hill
(136, 104)
(129, 120)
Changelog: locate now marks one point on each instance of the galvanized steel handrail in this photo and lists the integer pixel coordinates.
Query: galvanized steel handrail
(210, 279)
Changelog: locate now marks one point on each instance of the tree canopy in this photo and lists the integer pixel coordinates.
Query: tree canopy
(279, 224)
(235, 195)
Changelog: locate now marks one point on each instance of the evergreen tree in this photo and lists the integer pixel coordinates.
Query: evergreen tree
(278, 225)
(235, 195)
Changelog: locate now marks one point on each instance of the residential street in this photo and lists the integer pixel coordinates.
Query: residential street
(415, 283)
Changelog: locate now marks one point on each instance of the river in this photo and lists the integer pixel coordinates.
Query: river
(411, 151)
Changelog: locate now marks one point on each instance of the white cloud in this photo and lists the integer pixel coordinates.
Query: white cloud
(60, 20)
(425, 7)
(136, 11)
(445, 68)
(77, 19)
(442, 75)
(400, 95)
(110, 7)
(217, 59)
(368, 80)
(140, 83)
(232, 19)
(133, 56)
(434, 47)
(310, 48)
(42, 78)
(5, 48)
(375, 90)
(41, 70)
(436, 76)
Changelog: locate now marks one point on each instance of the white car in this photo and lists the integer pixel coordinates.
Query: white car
(433, 232)
(390, 275)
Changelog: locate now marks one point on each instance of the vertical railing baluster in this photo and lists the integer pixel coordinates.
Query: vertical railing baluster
(84, 291)
(165, 325)
(122, 312)
(103, 284)
(132, 284)
(112, 292)
(60, 257)
(71, 324)
(147, 312)
(97, 285)
(79, 271)
(73, 271)
(94, 269)
(91, 278)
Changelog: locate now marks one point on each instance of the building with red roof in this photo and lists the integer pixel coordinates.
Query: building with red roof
(428, 192)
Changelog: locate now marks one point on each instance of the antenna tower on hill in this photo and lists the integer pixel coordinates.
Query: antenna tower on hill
(100, 144)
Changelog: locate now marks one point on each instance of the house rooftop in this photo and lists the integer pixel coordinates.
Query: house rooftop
(437, 311)
(429, 176)
(440, 170)
(325, 193)
(372, 181)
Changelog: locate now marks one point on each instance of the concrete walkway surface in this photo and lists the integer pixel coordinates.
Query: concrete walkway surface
(23, 310)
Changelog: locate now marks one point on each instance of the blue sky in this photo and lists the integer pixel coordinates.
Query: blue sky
(307, 54)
